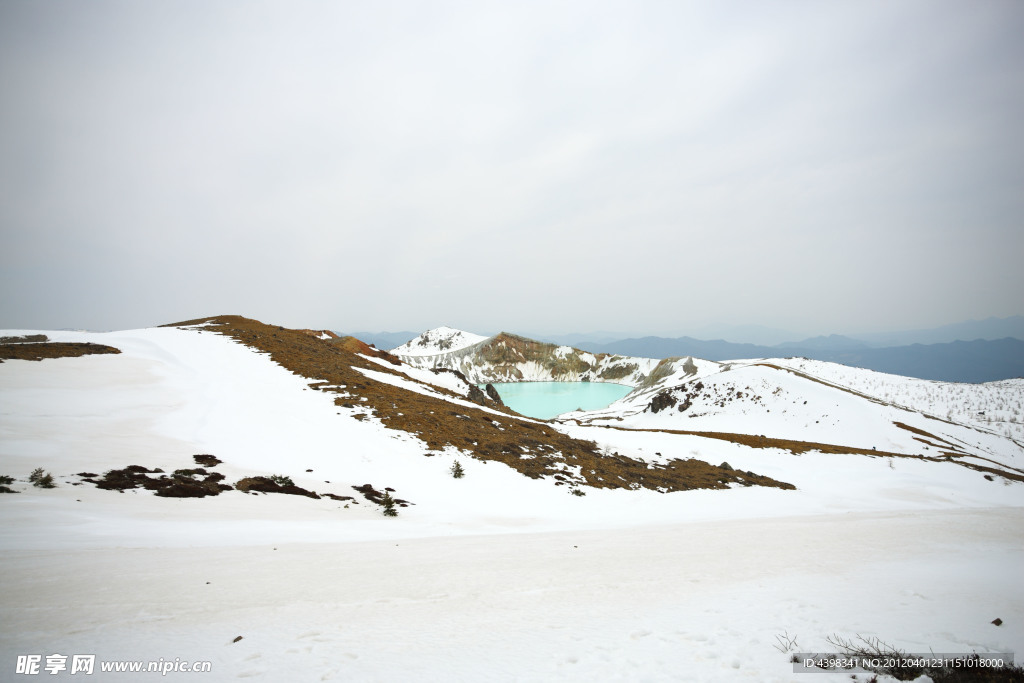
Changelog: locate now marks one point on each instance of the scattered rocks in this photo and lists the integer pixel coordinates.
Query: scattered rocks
(662, 401)
(374, 496)
(267, 485)
(207, 460)
(181, 484)
(334, 496)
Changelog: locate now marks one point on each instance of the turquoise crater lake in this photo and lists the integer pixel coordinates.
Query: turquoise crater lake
(545, 400)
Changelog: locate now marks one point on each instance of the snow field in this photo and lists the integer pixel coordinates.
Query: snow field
(692, 602)
(490, 577)
(998, 406)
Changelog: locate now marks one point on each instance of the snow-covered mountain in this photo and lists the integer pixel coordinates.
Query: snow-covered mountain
(511, 358)
(710, 523)
(438, 341)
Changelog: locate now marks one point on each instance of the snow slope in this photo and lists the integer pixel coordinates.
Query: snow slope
(491, 577)
(766, 399)
(998, 406)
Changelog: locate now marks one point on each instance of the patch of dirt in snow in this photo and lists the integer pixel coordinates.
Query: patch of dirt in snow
(41, 350)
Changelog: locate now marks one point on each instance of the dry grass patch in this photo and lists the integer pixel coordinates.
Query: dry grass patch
(40, 350)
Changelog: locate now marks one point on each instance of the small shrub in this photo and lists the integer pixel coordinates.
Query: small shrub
(457, 470)
(896, 665)
(785, 643)
(41, 478)
(578, 492)
(281, 479)
(4, 479)
(389, 505)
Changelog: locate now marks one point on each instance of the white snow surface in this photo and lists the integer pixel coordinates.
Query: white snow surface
(490, 577)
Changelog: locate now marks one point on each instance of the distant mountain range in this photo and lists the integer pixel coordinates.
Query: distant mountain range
(990, 329)
(980, 360)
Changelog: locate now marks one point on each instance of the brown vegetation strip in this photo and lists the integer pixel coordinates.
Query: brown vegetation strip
(755, 441)
(798, 447)
(39, 351)
(927, 435)
(503, 437)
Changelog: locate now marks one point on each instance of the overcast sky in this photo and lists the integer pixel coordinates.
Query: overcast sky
(645, 167)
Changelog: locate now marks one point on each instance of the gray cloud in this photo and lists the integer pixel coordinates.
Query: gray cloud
(651, 167)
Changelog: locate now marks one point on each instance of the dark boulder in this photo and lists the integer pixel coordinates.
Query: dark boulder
(662, 401)
(492, 393)
(476, 395)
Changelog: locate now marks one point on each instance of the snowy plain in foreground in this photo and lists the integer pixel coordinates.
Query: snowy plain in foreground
(491, 577)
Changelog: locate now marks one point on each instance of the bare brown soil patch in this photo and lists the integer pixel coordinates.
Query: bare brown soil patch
(926, 435)
(488, 436)
(39, 351)
(268, 485)
(181, 484)
(374, 496)
(24, 339)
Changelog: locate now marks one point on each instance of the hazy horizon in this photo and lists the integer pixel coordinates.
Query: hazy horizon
(743, 334)
(845, 167)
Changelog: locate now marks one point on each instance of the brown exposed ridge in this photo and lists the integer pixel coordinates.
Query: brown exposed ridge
(927, 435)
(354, 345)
(319, 334)
(40, 350)
(532, 448)
(505, 350)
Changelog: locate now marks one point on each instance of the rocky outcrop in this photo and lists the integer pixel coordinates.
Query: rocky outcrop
(511, 358)
(268, 485)
(662, 401)
(493, 393)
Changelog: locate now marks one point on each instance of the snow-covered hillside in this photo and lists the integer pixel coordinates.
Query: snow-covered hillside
(795, 409)
(998, 406)
(503, 574)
